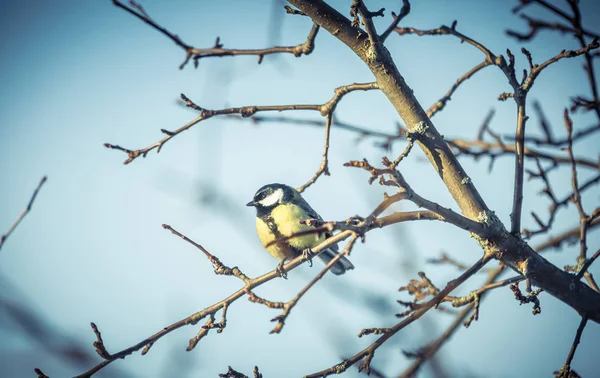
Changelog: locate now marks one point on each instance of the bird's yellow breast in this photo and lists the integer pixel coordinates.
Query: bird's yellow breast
(285, 221)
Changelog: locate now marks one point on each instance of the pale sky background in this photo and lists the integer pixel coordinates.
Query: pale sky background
(77, 74)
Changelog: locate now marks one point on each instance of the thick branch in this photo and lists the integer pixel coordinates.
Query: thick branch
(509, 248)
(432, 348)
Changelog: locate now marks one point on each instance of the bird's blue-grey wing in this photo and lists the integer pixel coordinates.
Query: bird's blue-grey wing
(343, 264)
(312, 214)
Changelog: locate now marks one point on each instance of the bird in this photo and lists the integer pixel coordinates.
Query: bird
(279, 211)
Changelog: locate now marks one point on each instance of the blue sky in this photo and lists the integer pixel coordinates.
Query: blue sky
(76, 75)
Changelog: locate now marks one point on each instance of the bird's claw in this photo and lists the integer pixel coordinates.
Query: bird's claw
(308, 255)
(281, 270)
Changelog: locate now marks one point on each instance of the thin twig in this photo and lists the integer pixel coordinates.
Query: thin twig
(558, 142)
(222, 305)
(432, 348)
(537, 25)
(287, 307)
(368, 353)
(515, 215)
(27, 209)
(565, 371)
(477, 148)
(323, 168)
(584, 219)
(441, 103)
(244, 111)
(587, 264)
(398, 181)
(404, 11)
(367, 20)
(217, 50)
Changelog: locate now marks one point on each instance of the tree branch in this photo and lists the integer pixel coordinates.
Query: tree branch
(249, 284)
(245, 111)
(217, 50)
(404, 11)
(27, 209)
(565, 371)
(432, 348)
(478, 148)
(509, 248)
(368, 353)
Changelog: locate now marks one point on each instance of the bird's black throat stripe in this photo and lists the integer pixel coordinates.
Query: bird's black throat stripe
(268, 219)
(283, 244)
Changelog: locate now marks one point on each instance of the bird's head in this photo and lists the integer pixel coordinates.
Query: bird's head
(270, 196)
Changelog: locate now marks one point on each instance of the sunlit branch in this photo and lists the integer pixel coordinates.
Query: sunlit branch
(432, 348)
(288, 306)
(211, 310)
(217, 50)
(245, 111)
(367, 354)
(404, 11)
(324, 167)
(438, 106)
(398, 181)
(222, 305)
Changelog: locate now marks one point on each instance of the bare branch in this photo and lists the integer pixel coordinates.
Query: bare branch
(480, 148)
(537, 69)
(231, 373)
(398, 180)
(249, 283)
(441, 104)
(196, 54)
(584, 219)
(323, 168)
(587, 264)
(537, 25)
(558, 142)
(245, 111)
(432, 348)
(211, 310)
(515, 216)
(20, 218)
(362, 132)
(404, 11)
(287, 307)
(565, 371)
(359, 7)
(368, 353)
(219, 267)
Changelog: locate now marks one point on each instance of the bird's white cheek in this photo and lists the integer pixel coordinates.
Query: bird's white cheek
(272, 199)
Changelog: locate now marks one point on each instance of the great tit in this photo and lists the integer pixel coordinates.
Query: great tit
(279, 210)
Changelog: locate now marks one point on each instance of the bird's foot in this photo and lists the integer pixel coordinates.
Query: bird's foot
(281, 270)
(308, 255)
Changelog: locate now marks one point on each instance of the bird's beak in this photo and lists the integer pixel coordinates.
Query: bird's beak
(251, 203)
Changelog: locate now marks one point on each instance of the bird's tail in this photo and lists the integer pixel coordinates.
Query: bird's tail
(341, 266)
